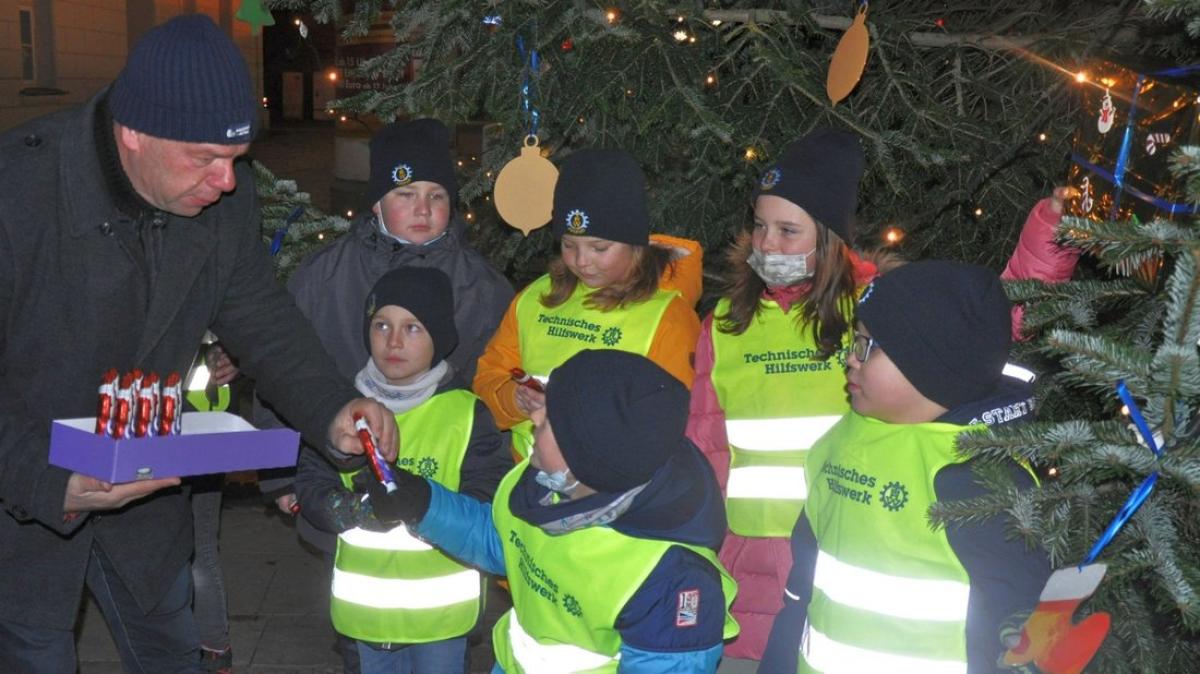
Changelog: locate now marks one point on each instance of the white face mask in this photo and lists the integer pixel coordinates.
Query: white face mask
(558, 481)
(781, 270)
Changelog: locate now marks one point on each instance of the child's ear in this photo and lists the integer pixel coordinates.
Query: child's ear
(375, 208)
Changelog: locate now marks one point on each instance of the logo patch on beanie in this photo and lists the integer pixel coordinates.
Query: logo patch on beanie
(770, 179)
(371, 305)
(238, 131)
(577, 222)
(402, 175)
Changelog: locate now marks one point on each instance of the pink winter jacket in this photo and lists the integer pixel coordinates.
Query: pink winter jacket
(1038, 257)
(761, 565)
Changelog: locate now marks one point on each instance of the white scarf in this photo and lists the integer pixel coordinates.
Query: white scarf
(399, 397)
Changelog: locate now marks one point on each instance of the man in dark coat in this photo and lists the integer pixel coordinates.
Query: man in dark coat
(128, 228)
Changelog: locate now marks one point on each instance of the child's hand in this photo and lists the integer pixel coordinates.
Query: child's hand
(529, 400)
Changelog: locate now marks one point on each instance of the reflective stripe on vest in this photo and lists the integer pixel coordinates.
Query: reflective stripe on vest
(823, 654)
(539, 658)
(889, 594)
(550, 335)
(403, 593)
(391, 587)
(396, 540)
(778, 435)
(778, 397)
(557, 598)
(899, 596)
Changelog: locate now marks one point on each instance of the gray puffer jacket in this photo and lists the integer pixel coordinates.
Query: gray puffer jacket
(332, 284)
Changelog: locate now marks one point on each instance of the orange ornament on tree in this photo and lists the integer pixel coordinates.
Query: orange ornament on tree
(849, 59)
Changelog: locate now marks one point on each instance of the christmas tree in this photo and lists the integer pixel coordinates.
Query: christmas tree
(966, 112)
(291, 227)
(1145, 334)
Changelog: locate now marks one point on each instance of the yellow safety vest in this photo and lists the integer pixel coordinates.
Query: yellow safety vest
(391, 587)
(778, 398)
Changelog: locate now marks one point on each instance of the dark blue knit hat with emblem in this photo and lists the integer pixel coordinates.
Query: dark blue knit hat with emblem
(945, 325)
(185, 80)
(407, 152)
(427, 294)
(601, 193)
(820, 173)
(617, 417)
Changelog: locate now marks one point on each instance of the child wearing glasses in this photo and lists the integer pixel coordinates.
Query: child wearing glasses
(873, 586)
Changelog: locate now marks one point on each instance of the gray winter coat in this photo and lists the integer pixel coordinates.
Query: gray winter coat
(331, 287)
(79, 296)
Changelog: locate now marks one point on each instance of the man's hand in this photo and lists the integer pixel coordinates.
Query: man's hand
(87, 493)
(221, 369)
(380, 420)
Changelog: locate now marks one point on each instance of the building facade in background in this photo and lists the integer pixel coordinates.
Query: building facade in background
(58, 53)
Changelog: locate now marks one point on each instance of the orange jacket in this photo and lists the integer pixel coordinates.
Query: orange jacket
(673, 348)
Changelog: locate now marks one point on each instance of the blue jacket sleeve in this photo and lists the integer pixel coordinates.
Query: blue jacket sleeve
(462, 527)
(783, 646)
(675, 621)
(636, 661)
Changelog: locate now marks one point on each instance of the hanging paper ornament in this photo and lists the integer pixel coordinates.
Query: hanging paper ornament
(253, 13)
(525, 188)
(1085, 195)
(567, 45)
(1049, 639)
(1108, 114)
(849, 59)
(1156, 140)
(492, 22)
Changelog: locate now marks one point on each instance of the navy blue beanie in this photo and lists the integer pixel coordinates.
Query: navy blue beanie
(408, 152)
(427, 294)
(820, 173)
(945, 325)
(602, 193)
(617, 416)
(185, 80)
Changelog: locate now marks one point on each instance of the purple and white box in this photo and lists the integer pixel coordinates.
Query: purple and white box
(211, 442)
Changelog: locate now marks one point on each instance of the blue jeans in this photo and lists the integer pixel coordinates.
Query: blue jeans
(163, 640)
(438, 657)
(211, 606)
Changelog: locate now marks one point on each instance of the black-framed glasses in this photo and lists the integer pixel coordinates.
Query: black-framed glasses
(861, 346)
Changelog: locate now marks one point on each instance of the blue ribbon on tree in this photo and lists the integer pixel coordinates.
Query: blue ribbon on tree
(529, 86)
(1142, 491)
(277, 238)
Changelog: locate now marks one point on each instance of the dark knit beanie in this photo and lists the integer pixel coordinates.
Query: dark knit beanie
(820, 173)
(946, 326)
(602, 193)
(617, 417)
(408, 152)
(185, 80)
(427, 294)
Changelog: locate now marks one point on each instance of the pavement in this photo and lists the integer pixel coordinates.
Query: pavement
(278, 593)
